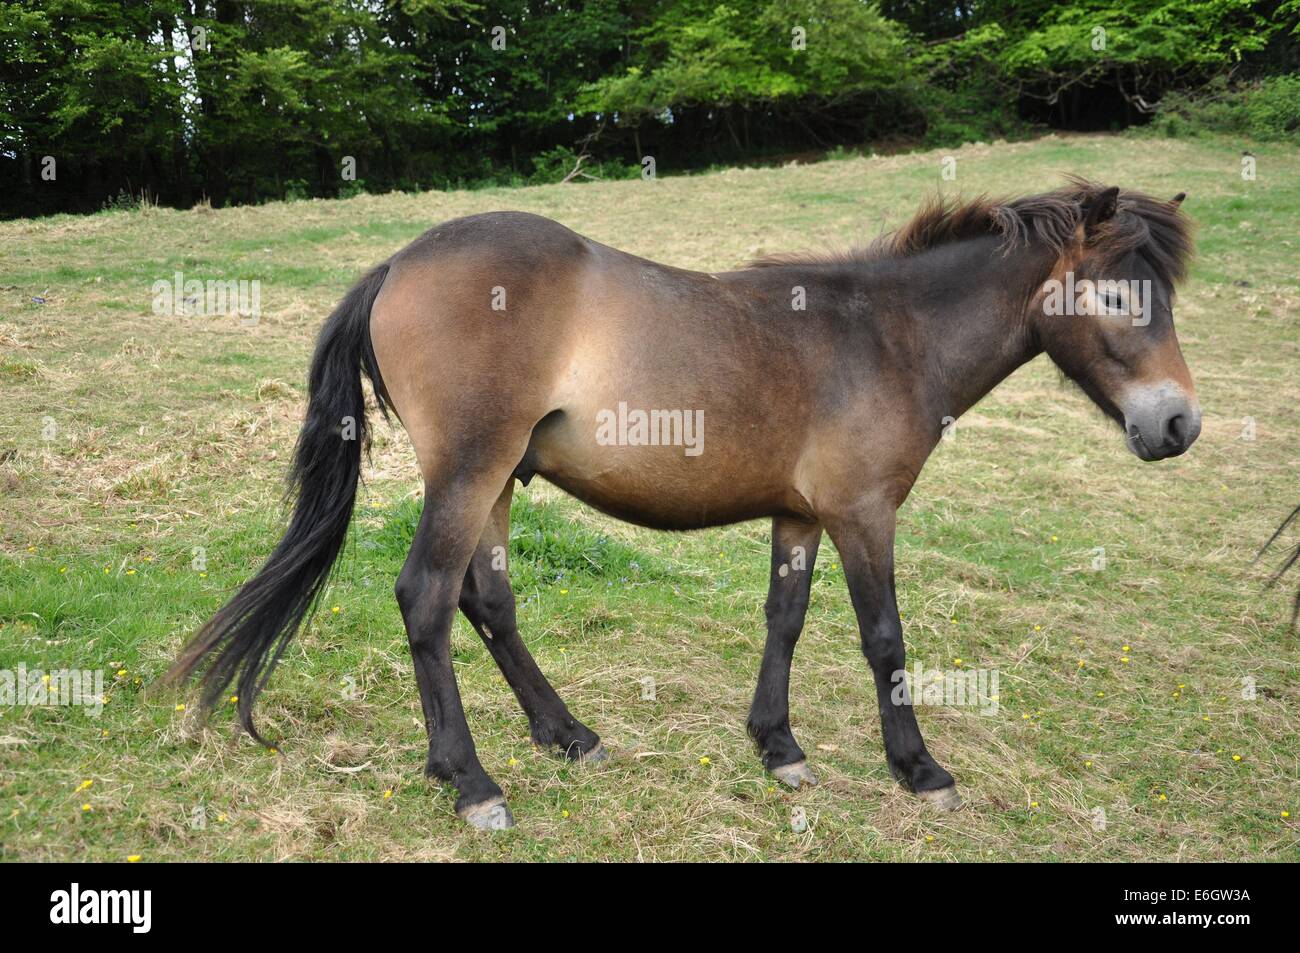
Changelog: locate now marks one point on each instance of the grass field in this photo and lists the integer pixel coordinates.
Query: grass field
(142, 458)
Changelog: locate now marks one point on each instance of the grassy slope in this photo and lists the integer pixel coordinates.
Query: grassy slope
(172, 434)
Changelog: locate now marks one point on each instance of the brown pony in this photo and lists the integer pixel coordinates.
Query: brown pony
(805, 389)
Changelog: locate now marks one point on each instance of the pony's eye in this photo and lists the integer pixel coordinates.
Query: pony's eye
(1110, 303)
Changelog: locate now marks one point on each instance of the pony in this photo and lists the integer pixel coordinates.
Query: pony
(805, 389)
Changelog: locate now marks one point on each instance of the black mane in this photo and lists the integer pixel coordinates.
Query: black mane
(1154, 228)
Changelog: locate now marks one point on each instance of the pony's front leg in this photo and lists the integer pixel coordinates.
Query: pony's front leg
(866, 546)
(794, 552)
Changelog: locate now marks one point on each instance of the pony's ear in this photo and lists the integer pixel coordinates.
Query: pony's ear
(1177, 200)
(1099, 208)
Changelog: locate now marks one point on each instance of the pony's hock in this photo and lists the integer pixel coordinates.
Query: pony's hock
(502, 341)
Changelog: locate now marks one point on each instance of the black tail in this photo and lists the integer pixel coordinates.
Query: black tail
(245, 639)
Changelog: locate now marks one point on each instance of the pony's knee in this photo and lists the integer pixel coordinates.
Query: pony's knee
(787, 612)
(883, 646)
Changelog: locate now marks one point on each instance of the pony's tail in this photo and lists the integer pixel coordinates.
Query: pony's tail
(245, 639)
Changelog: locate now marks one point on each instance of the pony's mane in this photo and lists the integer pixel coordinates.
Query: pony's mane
(1154, 228)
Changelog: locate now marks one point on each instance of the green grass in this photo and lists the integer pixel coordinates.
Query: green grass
(141, 466)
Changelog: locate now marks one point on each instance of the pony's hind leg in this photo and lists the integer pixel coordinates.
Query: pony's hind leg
(489, 604)
(794, 552)
(427, 591)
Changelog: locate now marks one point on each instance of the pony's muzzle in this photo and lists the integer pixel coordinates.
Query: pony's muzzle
(1161, 421)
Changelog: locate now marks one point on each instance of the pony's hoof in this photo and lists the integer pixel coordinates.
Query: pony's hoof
(795, 775)
(945, 799)
(493, 815)
(597, 755)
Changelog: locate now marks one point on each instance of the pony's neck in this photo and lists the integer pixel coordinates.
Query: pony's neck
(975, 323)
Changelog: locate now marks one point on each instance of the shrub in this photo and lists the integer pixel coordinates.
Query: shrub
(1268, 110)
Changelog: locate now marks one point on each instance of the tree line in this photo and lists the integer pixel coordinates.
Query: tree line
(243, 101)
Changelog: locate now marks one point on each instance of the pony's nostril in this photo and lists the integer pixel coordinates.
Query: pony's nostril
(1176, 430)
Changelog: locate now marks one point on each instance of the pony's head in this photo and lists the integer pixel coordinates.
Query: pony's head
(1105, 314)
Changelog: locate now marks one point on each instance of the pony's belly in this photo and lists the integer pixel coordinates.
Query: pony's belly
(681, 505)
(672, 478)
